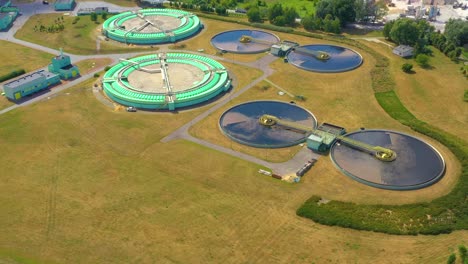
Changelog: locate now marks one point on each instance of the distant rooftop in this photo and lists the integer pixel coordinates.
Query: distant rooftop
(403, 48)
(28, 78)
(62, 1)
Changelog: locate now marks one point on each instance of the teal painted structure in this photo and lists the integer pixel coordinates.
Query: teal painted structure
(29, 83)
(113, 27)
(8, 14)
(215, 81)
(62, 66)
(322, 138)
(64, 5)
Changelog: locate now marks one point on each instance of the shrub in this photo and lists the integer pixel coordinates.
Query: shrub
(465, 96)
(12, 74)
(422, 60)
(76, 20)
(96, 75)
(462, 251)
(300, 97)
(451, 259)
(93, 16)
(407, 67)
(107, 68)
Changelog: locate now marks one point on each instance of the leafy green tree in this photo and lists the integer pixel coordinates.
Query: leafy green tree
(341, 9)
(254, 15)
(279, 21)
(361, 9)
(290, 15)
(104, 15)
(422, 60)
(407, 67)
(404, 31)
(462, 250)
(323, 8)
(309, 22)
(456, 31)
(387, 29)
(221, 10)
(331, 25)
(275, 11)
(93, 16)
(380, 9)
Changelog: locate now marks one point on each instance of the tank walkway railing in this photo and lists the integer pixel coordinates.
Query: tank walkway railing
(379, 152)
(139, 68)
(321, 55)
(165, 76)
(247, 39)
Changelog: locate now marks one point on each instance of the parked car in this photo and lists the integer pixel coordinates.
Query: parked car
(131, 109)
(45, 2)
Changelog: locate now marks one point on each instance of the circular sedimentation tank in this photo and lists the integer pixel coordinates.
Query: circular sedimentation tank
(244, 41)
(151, 26)
(324, 58)
(416, 166)
(242, 124)
(165, 81)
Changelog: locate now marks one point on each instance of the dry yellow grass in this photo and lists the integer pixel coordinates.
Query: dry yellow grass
(99, 187)
(432, 95)
(89, 65)
(15, 57)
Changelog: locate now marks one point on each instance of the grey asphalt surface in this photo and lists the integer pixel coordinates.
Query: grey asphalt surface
(262, 64)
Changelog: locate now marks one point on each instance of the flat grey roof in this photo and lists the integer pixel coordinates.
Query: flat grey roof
(403, 48)
(28, 78)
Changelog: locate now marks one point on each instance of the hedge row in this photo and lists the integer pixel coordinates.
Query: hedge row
(442, 215)
(12, 74)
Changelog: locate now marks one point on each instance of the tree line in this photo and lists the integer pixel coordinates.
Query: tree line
(420, 34)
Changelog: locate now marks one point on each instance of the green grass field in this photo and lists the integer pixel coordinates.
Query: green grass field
(79, 38)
